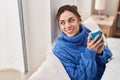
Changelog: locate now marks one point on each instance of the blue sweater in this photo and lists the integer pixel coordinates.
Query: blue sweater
(80, 62)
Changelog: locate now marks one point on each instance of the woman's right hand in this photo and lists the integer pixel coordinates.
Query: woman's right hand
(93, 44)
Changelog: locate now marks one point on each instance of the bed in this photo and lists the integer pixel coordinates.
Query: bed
(112, 71)
(52, 69)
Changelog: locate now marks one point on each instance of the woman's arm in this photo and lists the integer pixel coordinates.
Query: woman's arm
(104, 58)
(85, 70)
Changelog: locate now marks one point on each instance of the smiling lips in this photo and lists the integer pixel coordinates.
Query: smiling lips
(69, 30)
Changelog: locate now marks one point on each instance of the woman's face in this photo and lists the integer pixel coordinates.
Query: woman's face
(69, 23)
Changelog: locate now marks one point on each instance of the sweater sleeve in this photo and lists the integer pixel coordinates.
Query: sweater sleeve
(81, 71)
(104, 58)
(101, 62)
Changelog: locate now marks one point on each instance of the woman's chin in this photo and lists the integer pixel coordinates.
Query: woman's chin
(70, 35)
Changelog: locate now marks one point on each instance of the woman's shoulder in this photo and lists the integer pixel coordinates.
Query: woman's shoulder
(59, 42)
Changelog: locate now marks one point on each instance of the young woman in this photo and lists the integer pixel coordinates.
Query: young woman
(82, 58)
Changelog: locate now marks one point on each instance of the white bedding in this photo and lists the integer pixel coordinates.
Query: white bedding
(114, 46)
(112, 71)
(51, 69)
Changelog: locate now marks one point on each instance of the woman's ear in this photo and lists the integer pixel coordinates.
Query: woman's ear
(80, 19)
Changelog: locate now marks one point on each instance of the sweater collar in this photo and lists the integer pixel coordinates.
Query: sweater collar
(76, 39)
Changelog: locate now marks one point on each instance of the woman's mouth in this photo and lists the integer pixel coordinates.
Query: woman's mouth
(69, 30)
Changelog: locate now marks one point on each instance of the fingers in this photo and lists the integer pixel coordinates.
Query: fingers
(102, 41)
(95, 43)
(103, 38)
(99, 45)
(99, 42)
(89, 37)
(94, 40)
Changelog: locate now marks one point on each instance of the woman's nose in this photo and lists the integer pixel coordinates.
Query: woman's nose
(67, 24)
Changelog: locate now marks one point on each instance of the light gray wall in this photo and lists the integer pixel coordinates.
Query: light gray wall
(84, 8)
(110, 7)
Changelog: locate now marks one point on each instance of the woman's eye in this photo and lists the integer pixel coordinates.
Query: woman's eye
(71, 20)
(62, 23)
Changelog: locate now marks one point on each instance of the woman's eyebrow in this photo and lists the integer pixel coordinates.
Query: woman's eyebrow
(67, 19)
(61, 20)
(70, 18)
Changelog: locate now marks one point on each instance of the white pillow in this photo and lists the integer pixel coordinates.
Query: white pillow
(114, 46)
(51, 69)
(112, 71)
(93, 26)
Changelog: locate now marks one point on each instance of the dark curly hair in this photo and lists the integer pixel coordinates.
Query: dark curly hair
(71, 8)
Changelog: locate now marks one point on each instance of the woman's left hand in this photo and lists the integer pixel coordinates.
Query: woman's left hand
(96, 45)
(100, 48)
